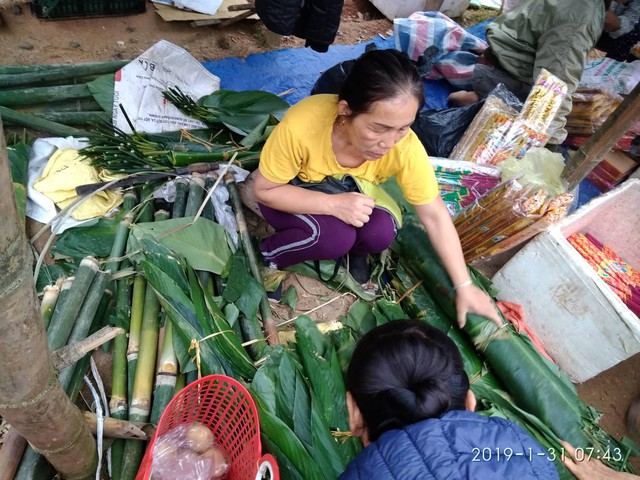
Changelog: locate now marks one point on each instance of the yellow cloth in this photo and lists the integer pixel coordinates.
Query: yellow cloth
(65, 170)
(301, 146)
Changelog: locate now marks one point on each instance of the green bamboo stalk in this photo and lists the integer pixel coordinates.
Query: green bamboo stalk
(196, 194)
(137, 306)
(181, 381)
(66, 118)
(137, 309)
(179, 204)
(208, 211)
(31, 121)
(62, 323)
(48, 304)
(165, 376)
(65, 286)
(71, 105)
(140, 406)
(122, 233)
(38, 76)
(118, 402)
(85, 319)
(112, 65)
(268, 323)
(36, 95)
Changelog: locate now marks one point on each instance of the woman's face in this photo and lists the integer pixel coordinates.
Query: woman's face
(375, 132)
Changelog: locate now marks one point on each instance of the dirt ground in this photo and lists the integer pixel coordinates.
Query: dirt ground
(26, 40)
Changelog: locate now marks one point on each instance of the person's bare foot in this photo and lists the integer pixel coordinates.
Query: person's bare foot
(462, 98)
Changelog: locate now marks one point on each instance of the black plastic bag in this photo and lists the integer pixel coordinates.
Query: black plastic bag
(441, 130)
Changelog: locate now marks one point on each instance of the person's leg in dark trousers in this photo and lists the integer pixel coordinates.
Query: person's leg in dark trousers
(299, 238)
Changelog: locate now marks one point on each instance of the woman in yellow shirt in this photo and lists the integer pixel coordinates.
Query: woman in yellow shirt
(363, 133)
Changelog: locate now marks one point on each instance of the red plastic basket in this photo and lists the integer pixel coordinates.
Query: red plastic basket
(226, 407)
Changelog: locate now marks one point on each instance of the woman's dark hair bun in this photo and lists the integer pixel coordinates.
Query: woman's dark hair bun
(404, 372)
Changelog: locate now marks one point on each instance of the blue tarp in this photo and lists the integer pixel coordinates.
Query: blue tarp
(297, 69)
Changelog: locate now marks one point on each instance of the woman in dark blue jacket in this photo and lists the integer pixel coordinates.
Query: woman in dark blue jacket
(409, 401)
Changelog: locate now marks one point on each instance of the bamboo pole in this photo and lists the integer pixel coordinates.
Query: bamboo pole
(140, 404)
(63, 321)
(48, 304)
(70, 354)
(180, 202)
(166, 375)
(121, 429)
(268, 323)
(591, 153)
(13, 447)
(31, 399)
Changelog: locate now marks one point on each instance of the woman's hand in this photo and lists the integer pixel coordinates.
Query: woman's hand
(352, 208)
(590, 469)
(471, 299)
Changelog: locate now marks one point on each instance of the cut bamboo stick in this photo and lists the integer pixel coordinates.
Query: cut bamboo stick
(137, 308)
(180, 202)
(70, 354)
(195, 196)
(166, 375)
(40, 124)
(268, 323)
(85, 319)
(115, 428)
(140, 403)
(62, 323)
(13, 447)
(48, 304)
(39, 76)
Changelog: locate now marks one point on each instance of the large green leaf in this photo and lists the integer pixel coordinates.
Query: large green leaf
(102, 90)
(279, 386)
(224, 339)
(360, 318)
(386, 311)
(95, 240)
(175, 267)
(289, 451)
(324, 373)
(203, 243)
(242, 112)
(242, 289)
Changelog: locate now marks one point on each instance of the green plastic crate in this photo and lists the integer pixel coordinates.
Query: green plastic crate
(61, 9)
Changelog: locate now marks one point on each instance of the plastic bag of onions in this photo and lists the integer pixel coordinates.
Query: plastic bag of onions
(189, 451)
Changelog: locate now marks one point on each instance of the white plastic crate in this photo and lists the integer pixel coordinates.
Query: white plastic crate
(582, 323)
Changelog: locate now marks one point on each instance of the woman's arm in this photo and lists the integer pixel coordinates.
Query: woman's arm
(352, 208)
(444, 238)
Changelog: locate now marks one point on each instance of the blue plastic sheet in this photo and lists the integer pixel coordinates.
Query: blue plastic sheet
(297, 69)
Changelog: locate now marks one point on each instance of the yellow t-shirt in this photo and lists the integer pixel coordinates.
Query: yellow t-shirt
(300, 146)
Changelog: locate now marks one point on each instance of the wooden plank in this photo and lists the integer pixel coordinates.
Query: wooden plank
(592, 152)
